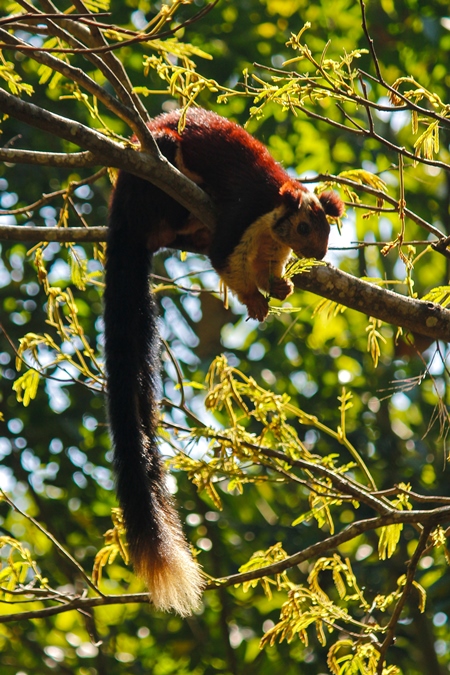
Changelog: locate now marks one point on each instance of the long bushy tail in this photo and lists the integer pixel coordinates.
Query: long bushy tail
(157, 546)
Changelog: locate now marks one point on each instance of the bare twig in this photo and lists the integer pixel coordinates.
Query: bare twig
(376, 63)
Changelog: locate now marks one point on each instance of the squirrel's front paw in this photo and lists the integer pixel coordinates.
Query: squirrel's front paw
(281, 288)
(258, 307)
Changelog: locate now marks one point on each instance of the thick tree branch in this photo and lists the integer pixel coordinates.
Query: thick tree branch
(426, 318)
(155, 169)
(417, 316)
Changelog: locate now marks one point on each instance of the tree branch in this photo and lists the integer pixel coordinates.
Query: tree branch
(123, 111)
(60, 234)
(366, 133)
(155, 169)
(379, 194)
(410, 574)
(69, 160)
(418, 316)
(427, 518)
(78, 603)
(138, 38)
(107, 63)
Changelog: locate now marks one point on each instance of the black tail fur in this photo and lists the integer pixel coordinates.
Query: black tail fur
(158, 549)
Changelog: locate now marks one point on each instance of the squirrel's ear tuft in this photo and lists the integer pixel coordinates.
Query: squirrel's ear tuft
(292, 192)
(332, 204)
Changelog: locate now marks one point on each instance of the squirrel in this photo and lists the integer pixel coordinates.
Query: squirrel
(262, 216)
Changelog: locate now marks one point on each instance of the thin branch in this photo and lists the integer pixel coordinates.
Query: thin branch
(124, 112)
(367, 106)
(370, 42)
(69, 160)
(46, 198)
(352, 96)
(397, 149)
(54, 541)
(118, 45)
(410, 574)
(108, 64)
(39, 16)
(409, 104)
(427, 518)
(78, 603)
(379, 194)
(382, 244)
(424, 499)
(371, 209)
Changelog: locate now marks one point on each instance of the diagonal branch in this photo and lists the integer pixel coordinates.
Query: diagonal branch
(54, 541)
(379, 194)
(108, 63)
(426, 318)
(155, 169)
(366, 133)
(124, 112)
(418, 316)
(427, 518)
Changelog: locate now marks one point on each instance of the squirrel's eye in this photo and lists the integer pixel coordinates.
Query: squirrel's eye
(304, 228)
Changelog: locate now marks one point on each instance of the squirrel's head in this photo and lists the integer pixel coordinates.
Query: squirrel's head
(304, 227)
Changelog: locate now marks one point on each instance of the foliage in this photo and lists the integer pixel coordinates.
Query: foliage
(316, 441)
